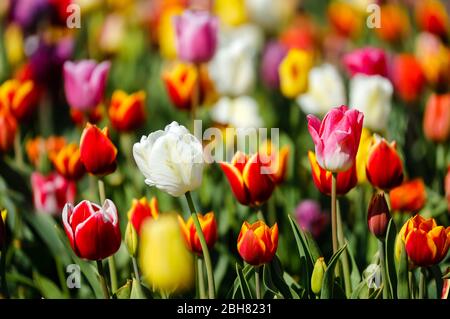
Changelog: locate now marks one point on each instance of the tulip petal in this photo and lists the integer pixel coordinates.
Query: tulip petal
(257, 181)
(236, 182)
(420, 248)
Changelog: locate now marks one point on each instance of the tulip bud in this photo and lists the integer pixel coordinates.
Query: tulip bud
(317, 276)
(394, 23)
(378, 215)
(131, 239)
(431, 16)
(408, 77)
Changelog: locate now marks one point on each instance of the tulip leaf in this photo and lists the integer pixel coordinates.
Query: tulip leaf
(136, 290)
(48, 288)
(243, 284)
(235, 292)
(391, 274)
(296, 291)
(355, 275)
(361, 291)
(267, 280)
(277, 276)
(376, 294)
(437, 275)
(328, 278)
(403, 280)
(124, 292)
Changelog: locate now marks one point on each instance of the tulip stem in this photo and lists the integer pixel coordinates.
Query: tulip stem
(333, 213)
(422, 285)
(206, 256)
(18, 156)
(344, 256)
(201, 278)
(102, 279)
(258, 282)
(135, 268)
(384, 280)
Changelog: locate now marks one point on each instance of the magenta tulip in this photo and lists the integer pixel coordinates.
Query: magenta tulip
(369, 61)
(84, 83)
(336, 138)
(196, 36)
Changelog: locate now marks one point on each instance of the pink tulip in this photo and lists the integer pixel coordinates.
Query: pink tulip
(196, 36)
(336, 138)
(52, 192)
(369, 61)
(84, 83)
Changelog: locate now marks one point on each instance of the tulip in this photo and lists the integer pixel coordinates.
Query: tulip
(8, 130)
(180, 82)
(336, 138)
(52, 192)
(278, 160)
(209, 229)
(3, 214)
(372, 95)
(38, 149)
(20, 98)
(345, 181)
(97, 152)
(409, 196)
(112, 34)
(166, 31)
(378, 216)
(127, 112)
(368, 60)
(394, 23)
(408, 77)
(93, 231)
(345, 18)
(384, 168)
(363, 154)
(26, 12)
(301, 34)
(310, 217)
(325, 89)
(67, 162)
(196, 36)
(317, 276)
(232, 13)
(80, 118)
(436, 120)
(431, 16)
(171, 160)
(84, 83)
(293, 72)
(141, 210)
(14, 44)
(131, 239)
(270, 14)
(426, 243)
(240, 112)
(165, 261)
(249, 183)
(274, 53)
(257, 243)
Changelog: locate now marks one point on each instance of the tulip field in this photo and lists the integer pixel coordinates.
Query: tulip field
(224, 149)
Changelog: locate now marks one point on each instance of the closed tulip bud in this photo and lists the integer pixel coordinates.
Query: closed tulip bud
(384, 168)
(368, 61)
(131, 239)
(378, 215)
(317, 276)
(19, 97)
(93, 231)
(322, 178)
(141, 210)
(3, 215)
(8, 130)
(257, 243)
(165, 261)
(436, 120)
(209, 229)
(97, 152)
(426, 243)
(293, 71)
(67, 162)
(196, 36)
(408, 77)
(431, 16)
(249, 183)
(336, 138)
(127, 112)
(409, 196)
(180, 81)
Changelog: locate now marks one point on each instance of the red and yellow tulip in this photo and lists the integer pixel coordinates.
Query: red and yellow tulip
(67, 162)
(141, 210)
(127, 111)
(209, 229)
(409, 197)
(181, 81)
(20, 98)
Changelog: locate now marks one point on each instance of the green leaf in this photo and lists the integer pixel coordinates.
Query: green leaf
(361, 291)
(402, 276)
(296, 291)
(136, 290)
(355, 275)
(437, 275)
(47, 288)
(267, 279)
(235, 292)
(391, 273)
(278, 280)
(124, 292)
(328, 278)
(243, 284)
(377, 293)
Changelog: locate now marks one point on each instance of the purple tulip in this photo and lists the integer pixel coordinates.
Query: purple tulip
(84, 83)
(26, 13)
(310, 217)
(196, 36)
(274, 53)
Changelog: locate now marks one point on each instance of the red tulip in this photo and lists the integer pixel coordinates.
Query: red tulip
(408, 77)
(141, 210)
(431, 16)
(127, 112)
(93, 231)
(378, 216)
(436, 120)
(409, 197)
(8, 130)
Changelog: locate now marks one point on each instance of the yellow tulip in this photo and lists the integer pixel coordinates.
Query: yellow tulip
(294, 71)
(362, 155)
(14, 44)
(231, 12)
(166, 32)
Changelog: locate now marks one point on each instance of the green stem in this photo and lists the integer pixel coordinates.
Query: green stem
(201, 278)
(344, 256)
(102, 279)
(62, 279)
(206, 256)
(260, 215)
(381, 253)
(422, 284)
(333, 214)
(18, 156)
(4, 284)
(258, 282)
(135, 268)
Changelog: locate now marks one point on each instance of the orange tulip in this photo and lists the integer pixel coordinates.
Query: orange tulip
(127, 112)
(426, 243)
(394, 23)
(38, 147)
(249, 183)
(180, 82)
(432, 16)
(141, 210)
(345, 18)
(278, 161)
(20, 98)
(67, 162)
(209, 229)
(384, 168)
(8, 130)
(257, 243)
(436, 120)
(408, 77)
(409, 197)
(97, 152)
(345, 181)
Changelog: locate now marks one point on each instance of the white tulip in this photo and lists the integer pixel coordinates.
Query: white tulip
(325, 90)
(271, 14)
(241, 112)
(171, 160)
(372, 95)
